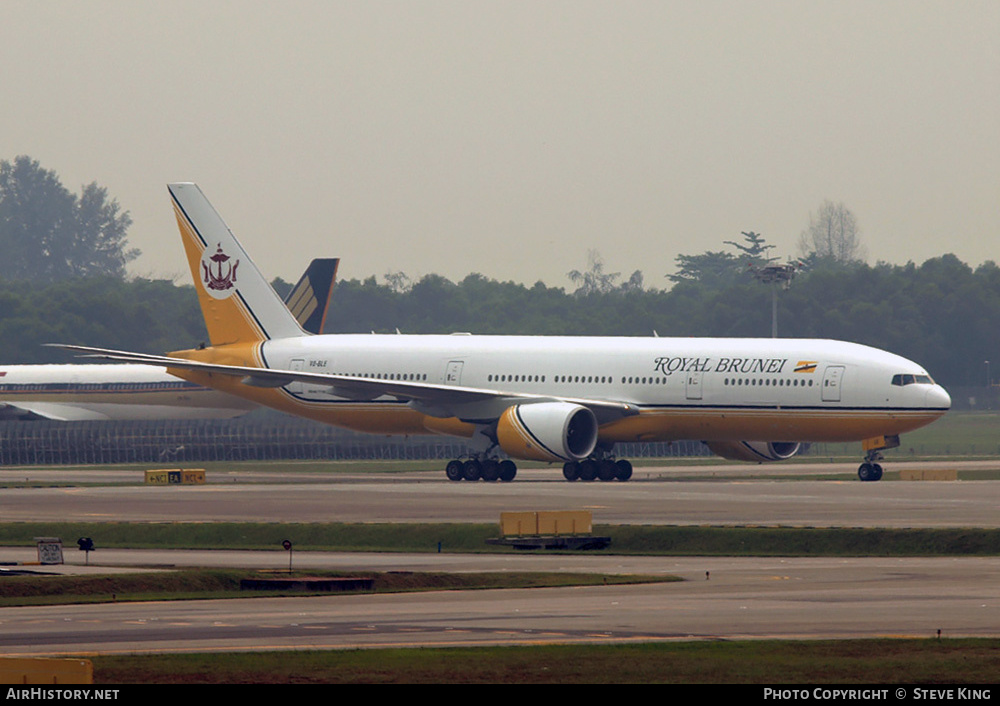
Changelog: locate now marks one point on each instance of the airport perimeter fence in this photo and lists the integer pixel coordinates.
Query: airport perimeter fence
(257, 437)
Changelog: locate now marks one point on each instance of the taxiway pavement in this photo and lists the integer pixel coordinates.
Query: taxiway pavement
(721, 598)
(656, 496)
(745, 598)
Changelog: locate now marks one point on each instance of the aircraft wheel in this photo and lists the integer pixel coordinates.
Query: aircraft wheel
(606, 470)
(588, 470)
(507, 471)
(877, 471)
(491, 470)
(866, 472)
(472, 470)
(571, 471)
(454, 470)
(624, 470)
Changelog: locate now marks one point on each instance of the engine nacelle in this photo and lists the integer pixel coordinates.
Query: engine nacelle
(547, 431)
(757, 451)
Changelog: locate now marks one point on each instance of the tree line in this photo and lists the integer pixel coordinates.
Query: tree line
(943, 313)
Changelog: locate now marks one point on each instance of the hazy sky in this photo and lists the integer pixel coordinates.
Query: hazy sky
(509, 138)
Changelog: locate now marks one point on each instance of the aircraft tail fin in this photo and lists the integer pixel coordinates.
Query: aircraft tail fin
(309, 300)
(238, 304)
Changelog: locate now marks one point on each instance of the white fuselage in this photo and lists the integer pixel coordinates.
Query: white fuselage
(692, 388)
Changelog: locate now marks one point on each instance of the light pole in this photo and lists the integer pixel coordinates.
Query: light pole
(989, 385)
(772, 275)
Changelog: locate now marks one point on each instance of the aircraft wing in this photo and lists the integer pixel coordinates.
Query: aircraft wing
(54, 411)
(429, 398)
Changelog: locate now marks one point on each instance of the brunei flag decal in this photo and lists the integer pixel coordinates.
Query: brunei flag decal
(805, 366)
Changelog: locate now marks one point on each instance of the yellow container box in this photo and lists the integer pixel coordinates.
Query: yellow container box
(42, 670)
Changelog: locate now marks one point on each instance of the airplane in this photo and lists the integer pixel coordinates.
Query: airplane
(76, 392)
(558, 399)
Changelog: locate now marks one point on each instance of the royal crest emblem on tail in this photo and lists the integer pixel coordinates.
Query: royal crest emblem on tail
(216, 281)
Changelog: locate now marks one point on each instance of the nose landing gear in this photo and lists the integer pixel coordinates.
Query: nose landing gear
(870, 470)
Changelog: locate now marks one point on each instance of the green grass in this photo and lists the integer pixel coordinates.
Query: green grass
(259, 536)
(772, 663)
(471, 538)
(189, 584)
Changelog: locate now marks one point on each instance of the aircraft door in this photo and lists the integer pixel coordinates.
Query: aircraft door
(832, 379)
(453, 373)
(693, 384)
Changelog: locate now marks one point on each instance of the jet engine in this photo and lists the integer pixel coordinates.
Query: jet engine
(758, 451)
(547, 431)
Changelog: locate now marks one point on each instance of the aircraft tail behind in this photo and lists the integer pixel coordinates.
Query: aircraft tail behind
(309, 300)
(238, 303)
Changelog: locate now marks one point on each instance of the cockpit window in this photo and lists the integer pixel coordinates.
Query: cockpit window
(908, 379)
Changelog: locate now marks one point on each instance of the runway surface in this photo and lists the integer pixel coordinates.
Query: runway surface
(804, 598)
(655, 496)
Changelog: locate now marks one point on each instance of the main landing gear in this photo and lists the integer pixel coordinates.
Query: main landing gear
(487, 469)
(603, 469)
(491, 470)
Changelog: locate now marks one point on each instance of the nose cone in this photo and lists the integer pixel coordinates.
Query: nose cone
(938, 398)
